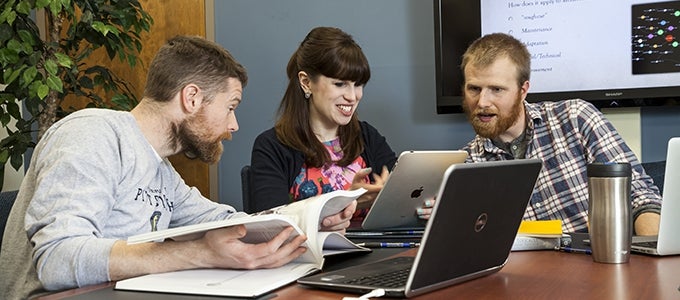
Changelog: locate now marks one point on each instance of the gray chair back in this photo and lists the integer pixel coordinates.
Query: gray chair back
(656, 170)
(6, 202)
(245, 189)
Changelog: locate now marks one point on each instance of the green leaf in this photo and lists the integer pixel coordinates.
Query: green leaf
(55, 7)
(26, 37)
(14, 45)
(147, 25)
(5, 97)
(98, 80)
(35, 58)
(86, 82)
(4, 155)
(17, 159)
(51, 67)
(41, 3)
(33, 89)
(23, 7)
(29, 74)
(100, 27)
(5, 12)
(4, 119)
(8, 56)
(64, 60)
(113, 29)
(33, 104)
(10, 17)
(5, 30)
(34, 69)
(55, 83)
(13, 110)
(138, 45)
(42, 91)
(132, 60)
(119, 98)
(9, 77)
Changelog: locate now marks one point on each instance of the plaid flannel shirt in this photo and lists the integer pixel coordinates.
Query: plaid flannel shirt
(567, 135)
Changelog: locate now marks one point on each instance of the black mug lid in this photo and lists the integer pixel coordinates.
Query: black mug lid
(609, 169)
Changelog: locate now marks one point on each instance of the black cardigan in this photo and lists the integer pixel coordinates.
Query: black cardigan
(274, 166)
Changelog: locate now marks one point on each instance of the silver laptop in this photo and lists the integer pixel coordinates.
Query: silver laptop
(470, 234)
(668, 240)
(416, 177)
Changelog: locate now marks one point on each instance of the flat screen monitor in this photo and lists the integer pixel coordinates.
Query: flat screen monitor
(613, 53)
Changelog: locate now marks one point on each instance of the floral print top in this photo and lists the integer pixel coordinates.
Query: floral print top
(315, 181)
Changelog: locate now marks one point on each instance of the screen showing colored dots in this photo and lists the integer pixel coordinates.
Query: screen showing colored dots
(655, 33)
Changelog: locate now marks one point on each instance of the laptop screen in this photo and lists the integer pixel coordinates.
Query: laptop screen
(475, 221)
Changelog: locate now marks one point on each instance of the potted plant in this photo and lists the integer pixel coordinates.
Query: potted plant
(40, 68)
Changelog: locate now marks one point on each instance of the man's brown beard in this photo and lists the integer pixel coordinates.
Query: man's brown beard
(193, 136)
(502, 123)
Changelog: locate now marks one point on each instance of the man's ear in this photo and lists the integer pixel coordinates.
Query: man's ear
(524, 90)
(304, 79)
(191, 98)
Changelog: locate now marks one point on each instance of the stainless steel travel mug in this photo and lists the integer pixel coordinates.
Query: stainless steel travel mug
(609, 211)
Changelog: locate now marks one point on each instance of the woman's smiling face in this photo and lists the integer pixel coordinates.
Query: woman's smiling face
(333, 101)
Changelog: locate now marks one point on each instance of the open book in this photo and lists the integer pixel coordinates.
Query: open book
(305, 216)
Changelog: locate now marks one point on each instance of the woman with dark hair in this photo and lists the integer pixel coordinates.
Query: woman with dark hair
(318, 144)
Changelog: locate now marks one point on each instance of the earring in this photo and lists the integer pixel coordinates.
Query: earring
(307, 95)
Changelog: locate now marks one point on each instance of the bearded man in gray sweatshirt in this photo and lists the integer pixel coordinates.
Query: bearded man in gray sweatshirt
(99, 176)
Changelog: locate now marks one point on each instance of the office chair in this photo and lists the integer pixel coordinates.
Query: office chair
(245, 189)
(6, 202)
(656, 170)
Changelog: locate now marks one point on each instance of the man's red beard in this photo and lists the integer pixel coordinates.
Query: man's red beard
(501, 123)
(193, 136)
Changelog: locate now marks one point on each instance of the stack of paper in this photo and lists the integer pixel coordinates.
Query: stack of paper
(538, 235)
(548, 228)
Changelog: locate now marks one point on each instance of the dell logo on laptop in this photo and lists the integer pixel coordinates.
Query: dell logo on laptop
(481, 222)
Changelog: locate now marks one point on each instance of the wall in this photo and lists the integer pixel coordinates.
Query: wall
(658, 125)
(398, 100)
(397, 37)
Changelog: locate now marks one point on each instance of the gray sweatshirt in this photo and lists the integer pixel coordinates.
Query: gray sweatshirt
(93, 179)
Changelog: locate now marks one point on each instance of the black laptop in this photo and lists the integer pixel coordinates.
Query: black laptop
(470, 233)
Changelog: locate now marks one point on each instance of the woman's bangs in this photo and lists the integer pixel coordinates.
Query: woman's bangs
(350, 64)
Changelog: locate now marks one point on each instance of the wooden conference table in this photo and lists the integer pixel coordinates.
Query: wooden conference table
(543, 274)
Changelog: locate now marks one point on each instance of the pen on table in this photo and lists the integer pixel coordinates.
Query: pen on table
(576, 250)
(381, 233)
(404, 232)
(388, 245)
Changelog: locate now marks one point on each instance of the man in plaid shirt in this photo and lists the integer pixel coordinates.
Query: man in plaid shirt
(565, 135)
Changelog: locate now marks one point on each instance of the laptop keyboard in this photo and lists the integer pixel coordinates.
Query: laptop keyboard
(650, 244)
(392, 279)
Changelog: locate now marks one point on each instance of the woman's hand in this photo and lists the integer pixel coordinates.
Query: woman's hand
(424, 212)
(341, 220)
(372, 189)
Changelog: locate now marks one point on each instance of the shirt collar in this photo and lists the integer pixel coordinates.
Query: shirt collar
(535, 117)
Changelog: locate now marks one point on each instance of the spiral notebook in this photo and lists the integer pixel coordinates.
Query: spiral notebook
(469, 235)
